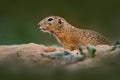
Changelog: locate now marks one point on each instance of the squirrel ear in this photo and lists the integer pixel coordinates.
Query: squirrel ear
(60, 22)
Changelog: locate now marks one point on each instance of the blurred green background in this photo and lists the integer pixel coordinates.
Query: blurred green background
(19, 18)
(18, 25)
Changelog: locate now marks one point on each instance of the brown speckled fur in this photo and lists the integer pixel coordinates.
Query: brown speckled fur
(70, 36)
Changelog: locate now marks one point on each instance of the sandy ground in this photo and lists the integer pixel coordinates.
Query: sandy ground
(37, 54)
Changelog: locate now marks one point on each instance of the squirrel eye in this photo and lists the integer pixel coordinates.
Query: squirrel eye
(50, 19)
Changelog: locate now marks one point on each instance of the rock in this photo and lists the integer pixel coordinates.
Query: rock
(35, 54)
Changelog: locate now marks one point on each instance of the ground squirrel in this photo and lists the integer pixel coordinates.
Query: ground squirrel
(69, 36)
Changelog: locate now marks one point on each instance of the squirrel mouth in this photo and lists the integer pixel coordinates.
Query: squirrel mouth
(46, 30)
(43, 29)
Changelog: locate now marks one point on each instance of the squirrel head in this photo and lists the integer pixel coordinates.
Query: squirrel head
(51, 24)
